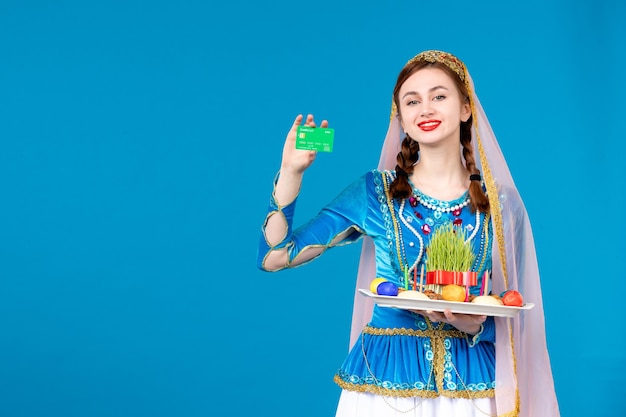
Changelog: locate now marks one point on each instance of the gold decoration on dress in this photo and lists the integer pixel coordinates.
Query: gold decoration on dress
(437, 337)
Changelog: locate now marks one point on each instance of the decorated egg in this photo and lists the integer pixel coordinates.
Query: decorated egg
(512, 298)
(453, 292)
(374, 284)
(387, 288)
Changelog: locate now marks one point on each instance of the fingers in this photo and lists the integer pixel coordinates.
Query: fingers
(481, 319)
(297, 122)
(323, 124)
(435, 316)
(309, 121)
(463, 322)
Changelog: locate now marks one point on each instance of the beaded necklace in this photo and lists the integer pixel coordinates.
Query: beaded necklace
(434, 204)
(439, 207)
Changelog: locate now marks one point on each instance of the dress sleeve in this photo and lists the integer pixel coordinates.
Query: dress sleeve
(487, 333)
(339, 223)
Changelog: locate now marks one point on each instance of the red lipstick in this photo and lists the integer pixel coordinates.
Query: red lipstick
(429, 125)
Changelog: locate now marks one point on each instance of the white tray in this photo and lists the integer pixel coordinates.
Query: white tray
(441, 305)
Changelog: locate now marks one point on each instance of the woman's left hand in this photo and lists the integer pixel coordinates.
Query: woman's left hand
(468, 323)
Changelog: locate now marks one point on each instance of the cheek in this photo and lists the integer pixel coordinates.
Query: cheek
(407, 114)
(404, 116)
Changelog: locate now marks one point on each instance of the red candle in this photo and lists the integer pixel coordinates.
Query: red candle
(484, 283)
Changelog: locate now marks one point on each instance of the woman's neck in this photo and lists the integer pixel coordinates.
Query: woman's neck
(441, 175)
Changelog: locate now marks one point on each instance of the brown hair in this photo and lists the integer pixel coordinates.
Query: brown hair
(400, 187)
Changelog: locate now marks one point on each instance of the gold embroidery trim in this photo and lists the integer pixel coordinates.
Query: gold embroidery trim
(511, 413)
(393, 217)
(289, 245)
(279, 212)
(376, 331)
(414, 392)
(437, 337)
(444, 58)
(517, 397)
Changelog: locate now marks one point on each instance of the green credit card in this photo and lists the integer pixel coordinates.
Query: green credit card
(315, 138)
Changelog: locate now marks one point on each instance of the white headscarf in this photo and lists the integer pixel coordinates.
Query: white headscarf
(524, 384)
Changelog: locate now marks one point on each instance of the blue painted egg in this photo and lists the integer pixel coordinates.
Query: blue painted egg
(387, 288)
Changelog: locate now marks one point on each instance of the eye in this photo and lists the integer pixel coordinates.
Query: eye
(439, 98)
(412, 102)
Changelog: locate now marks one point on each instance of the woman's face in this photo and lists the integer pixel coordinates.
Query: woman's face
(431, 107)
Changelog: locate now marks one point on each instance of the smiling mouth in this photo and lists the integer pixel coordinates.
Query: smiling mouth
(429, 125)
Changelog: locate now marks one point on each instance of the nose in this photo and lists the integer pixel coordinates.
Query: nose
(426, 109)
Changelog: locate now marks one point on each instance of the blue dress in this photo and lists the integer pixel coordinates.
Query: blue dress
(401, 353)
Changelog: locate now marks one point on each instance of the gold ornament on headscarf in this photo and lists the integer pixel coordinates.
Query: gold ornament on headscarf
(440, 57)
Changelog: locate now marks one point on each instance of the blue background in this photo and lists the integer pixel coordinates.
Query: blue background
(139, 140)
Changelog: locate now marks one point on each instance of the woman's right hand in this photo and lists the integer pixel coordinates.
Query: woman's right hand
(296, 161)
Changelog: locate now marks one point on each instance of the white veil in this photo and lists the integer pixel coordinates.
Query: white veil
(524, 383)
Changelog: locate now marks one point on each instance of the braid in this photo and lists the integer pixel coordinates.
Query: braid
(478, 198)
(400, 187)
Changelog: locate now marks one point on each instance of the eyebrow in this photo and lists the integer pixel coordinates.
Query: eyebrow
(409, 93)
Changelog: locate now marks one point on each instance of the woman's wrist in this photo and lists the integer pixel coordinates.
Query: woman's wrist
(473, 338)
(474, 329)
(287, 186)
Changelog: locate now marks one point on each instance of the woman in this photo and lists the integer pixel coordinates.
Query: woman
(440, 166)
